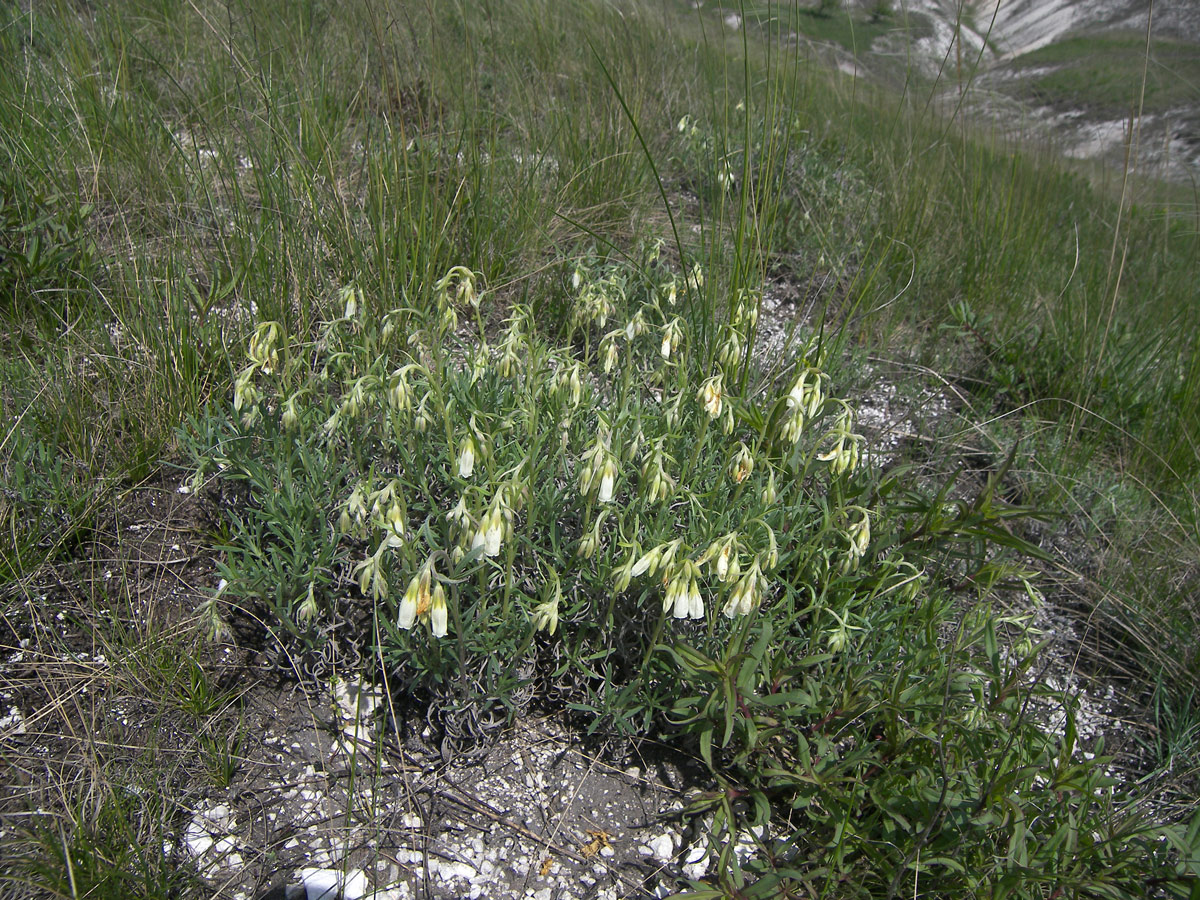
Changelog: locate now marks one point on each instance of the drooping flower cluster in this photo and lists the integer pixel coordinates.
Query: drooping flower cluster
(425, 600)
(804, 402)
(599, 471)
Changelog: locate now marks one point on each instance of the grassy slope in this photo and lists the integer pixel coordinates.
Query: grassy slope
(179, 165)
(213, 175)
(1104, 73)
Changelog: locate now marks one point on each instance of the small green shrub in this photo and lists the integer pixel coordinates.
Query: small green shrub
(653, 532)
(597, 490)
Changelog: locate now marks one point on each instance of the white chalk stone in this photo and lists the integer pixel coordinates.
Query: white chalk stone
(662, 848)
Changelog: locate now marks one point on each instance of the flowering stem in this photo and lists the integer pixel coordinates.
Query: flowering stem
(510, 552)
(687, 470)
(658, 630)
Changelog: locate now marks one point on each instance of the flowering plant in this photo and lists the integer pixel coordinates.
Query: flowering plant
(595, 495)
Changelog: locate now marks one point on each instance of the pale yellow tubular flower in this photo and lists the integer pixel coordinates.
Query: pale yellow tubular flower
(814, 396)
(545, 614)
(695, 601)
(589, 471)
(669, 551)
(591, 541)
(545, 617)
(459, 517)
(804, 402)
(461, 282)
(673, 412)
(859, 535)
(389, 326)
(604, 303)
(710, 394)
(449, 320)
(659, 485)
(356, 398)
(438, 613)
(330, 426)
(478, 539)
(290, 417)
(623, 574)
(730, 353)
(510, 359)
(382, 498)
(244, 391)
(423, 419)
(610, 351)
(676, 601)
(725, 176)
(793, 426)
(491, 530)
(772, 558)
(657, 558)
(836, 639)
(354, 513)
(408, 605)
(843, 456)
(493, 537)
(576, 384)
(672, 336)
(634, 444)
(394, 526)
(348, 297)
(479, 362)
(746, 594)
(722, 563)
(608, 479)
(308, 608)
(263, 346)
(599, 469)
(370, 575)
(398, 395)
(742, 464)
(648, 563)
(466, 457)
(636, 326)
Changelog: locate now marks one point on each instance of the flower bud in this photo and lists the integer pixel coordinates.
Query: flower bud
(769, 494)
(290, 418)
(742, 464)
(308, 608)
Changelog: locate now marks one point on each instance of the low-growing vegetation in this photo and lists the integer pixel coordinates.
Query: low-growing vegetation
(514, 357)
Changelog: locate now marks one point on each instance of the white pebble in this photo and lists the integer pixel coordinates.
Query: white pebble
(662, 848)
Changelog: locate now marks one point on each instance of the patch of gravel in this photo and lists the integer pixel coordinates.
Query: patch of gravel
(534, 814)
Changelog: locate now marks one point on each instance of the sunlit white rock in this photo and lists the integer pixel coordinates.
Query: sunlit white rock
(330, 884)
